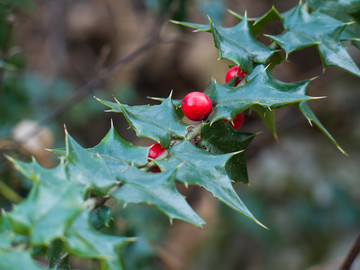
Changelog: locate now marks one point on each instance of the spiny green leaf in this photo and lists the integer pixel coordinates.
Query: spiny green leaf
(90, 169)
(268, 118)
(156, 189)
(311, 117)
(16, 260)
(84, 241)
(199, 167)
(257, 24)
(222, 138)
(159, 122)
(237, 44)
(305, 29)
(49, 208)
(262, 89)
(100, 217)
(114, 146)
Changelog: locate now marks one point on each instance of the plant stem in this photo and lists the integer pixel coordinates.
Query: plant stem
(355, 250)
(9, 194)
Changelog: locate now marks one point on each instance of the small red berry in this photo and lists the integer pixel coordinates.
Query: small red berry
(196, 106)
(155, 151)
(237, 122)
(235, 71)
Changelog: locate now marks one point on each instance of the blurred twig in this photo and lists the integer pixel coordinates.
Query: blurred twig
(350, 258)
(9, 194)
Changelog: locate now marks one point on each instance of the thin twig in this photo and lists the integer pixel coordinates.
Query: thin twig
(350, 258)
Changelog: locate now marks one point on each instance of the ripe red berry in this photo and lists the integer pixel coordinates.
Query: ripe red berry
(237, 122)
(235, 71)
(196, 106)
(155, 151)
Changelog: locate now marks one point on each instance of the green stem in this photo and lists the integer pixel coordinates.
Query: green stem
(9, 194)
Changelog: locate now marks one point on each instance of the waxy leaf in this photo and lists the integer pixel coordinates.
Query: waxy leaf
(49, 208)
(84, 241)
(311, 117)
(156, 189)
(237, 44)
(158, 122)
(16, 260)
(222, 138)
(262, 89)
(90, 169)
(304, 29)
(202, 168)
(113, 146)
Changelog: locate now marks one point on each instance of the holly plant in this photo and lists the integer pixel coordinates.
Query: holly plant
(66, 206)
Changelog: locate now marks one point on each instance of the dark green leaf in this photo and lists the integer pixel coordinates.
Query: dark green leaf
(16, 260)
(199, 167)
(47, 211)
(304, 29)
(114, 146)
(222, 138)
(84, 241)
(268, 118)
(262, 89)
(90, 169)
(156, 189)
(237, 44)
(311, 117)
(159, 122)
(257, 24)
(100, 217)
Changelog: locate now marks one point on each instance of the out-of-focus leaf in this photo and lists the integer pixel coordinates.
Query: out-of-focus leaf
(222, 138)
(84, 241)
(16, 260)
(215, 9)
(156, 189)
(100, 217)
(159, 122)
(50, 207)
(304, 29)
(202, 168)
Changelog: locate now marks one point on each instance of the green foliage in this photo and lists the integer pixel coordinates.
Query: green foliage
(65, 211)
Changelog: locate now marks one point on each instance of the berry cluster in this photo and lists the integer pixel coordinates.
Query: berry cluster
(197, 106)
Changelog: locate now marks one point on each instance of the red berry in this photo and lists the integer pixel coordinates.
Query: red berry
(237, 122)
(235, 71)
(196, 106)
(155, 151)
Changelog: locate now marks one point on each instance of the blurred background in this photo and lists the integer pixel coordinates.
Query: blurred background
(55, 56)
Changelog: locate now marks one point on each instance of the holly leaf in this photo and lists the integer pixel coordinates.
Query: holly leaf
(311, 117)
(158, 122)
(238, 44)
(50, 207)
(113, 146)
(84, 241)
(202, 168)
(262, 89)
(222, 138)
(100, 217)
(90, 169)
(268, 117)
(257, 24)
(157, 189)
(304, 29)
(15, 260)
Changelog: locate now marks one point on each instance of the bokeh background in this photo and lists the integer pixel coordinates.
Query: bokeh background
(304, 189)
